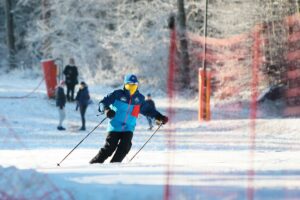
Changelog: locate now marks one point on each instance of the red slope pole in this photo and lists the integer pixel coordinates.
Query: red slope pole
(253, 109)
(170, 90)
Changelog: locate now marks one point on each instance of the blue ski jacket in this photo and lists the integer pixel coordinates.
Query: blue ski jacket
(127, 109)
(83, 97)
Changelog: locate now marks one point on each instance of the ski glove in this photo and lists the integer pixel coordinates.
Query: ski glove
(110, 113)
(161, 119)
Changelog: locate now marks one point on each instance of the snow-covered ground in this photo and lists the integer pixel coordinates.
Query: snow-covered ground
(223, 159)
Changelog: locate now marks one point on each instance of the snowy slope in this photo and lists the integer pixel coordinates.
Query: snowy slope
(223, 159)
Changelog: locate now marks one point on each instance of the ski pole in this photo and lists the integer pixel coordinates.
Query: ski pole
(58, 164)
(160, 125)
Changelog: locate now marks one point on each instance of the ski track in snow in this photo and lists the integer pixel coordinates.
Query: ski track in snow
(214, 160)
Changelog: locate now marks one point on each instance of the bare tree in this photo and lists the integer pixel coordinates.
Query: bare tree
(9, 22)
(184, 70)
(46, 15)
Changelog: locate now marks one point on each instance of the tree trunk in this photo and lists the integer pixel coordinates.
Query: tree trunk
(46, 14)
(184, 76)
(9, 23)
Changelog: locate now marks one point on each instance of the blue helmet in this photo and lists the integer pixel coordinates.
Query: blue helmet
(130, 78)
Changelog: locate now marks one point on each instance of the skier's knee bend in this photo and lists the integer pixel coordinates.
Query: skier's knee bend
(108, 151)
(125, 147)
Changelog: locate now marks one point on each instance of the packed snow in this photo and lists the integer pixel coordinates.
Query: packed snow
(226, 158)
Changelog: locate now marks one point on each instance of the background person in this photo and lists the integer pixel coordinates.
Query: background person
(60, 103)
(71, 78)
(82, 99)
(149, 103)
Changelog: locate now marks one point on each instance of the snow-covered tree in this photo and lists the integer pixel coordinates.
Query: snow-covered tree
(107, 38)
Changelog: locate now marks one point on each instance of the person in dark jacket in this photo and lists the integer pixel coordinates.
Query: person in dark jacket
(71, 78)
(122, 107)
(82, 99)
(149, 103)
(60, 103)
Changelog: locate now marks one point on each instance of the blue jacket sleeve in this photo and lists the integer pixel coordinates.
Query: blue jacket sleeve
(149, 110)
(107, 101)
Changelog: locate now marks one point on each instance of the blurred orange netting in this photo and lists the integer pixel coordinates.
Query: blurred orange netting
(254, 72)
(249, 68)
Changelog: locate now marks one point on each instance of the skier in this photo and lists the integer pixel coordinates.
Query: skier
(71, 78)
(150, 103)
(60, 103)
(122, 107)
(82, 99)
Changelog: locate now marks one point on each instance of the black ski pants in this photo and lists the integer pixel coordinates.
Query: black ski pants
(82, 114)
(70, 92)
(115, 141)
